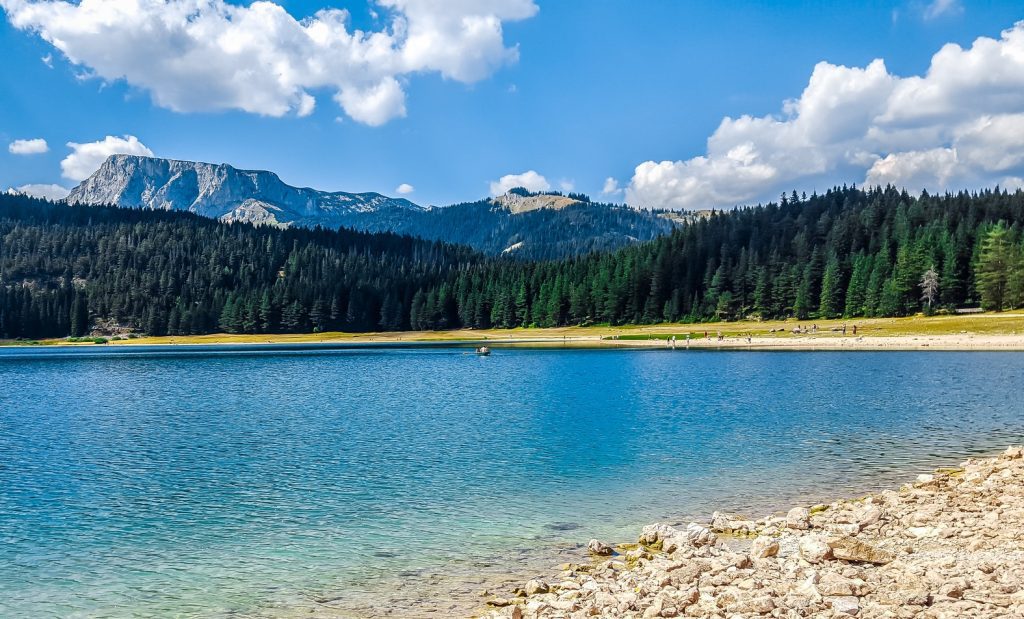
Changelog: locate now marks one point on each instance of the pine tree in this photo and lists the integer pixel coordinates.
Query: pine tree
(831, 302)
(266, 322)
(993, 268)
(856, 290)
(79, 316)
(1015, 280)
(229, 316)
(876, 283)
(762, 293)
(802, 303)
(522, 306)
(391, 314)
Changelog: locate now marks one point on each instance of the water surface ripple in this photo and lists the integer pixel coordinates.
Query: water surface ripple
(232, 482)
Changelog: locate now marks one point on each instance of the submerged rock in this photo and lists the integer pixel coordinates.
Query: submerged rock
(533, 587)
(654, 533)
(599, 548)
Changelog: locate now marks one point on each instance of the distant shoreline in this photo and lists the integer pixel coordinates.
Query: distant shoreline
(948, 343)
(991, 331)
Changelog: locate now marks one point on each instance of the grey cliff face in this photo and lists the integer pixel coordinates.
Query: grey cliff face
(222, 191)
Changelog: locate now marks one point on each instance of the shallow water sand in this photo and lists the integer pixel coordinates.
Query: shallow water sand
(237, 482)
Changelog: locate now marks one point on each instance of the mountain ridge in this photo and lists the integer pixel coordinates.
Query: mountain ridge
(221, 191)
(519, 223)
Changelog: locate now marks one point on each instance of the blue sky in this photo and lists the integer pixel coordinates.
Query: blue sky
(597, 89)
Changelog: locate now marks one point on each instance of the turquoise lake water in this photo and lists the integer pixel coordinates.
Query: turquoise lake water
(236, 482)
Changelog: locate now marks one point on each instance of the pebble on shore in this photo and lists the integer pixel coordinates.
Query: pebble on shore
(948, 546)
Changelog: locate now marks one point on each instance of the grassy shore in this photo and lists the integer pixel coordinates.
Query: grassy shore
(973, 331)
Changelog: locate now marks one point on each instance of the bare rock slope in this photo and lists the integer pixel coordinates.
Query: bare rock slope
(224, 192)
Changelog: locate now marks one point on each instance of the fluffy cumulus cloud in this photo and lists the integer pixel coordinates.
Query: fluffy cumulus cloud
(87, 158)
(960, 125)
(404, 189)
(207, 55)
(529, 180)
(37, 146)
(50, 192)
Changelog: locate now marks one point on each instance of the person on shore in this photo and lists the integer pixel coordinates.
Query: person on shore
(855, 329)
(844, 329)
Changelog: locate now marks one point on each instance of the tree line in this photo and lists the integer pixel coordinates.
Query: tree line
(848, 252)
(70, 270)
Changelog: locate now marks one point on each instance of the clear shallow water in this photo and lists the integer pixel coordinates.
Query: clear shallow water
(232, 482)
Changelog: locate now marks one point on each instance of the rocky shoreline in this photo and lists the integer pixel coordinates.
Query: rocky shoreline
(947, 546)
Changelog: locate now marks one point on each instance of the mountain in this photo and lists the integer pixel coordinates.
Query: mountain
(519, 224)
(530, 232)
(223, 192)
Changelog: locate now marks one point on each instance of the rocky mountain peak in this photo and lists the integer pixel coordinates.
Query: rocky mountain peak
(221, 191)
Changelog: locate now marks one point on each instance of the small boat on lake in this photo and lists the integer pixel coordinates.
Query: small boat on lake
(483, 351)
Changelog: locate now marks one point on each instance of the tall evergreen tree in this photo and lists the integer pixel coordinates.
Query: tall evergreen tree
(993, 270)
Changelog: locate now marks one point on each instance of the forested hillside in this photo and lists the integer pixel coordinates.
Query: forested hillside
(845, 253)
(69, 270)
(542, 234)
(64, 270)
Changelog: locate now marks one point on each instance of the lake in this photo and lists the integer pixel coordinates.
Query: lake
(228, 481)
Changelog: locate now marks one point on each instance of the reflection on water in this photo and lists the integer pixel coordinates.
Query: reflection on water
(238, 482)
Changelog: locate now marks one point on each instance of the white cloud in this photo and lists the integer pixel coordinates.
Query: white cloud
(208, 55)
(376, 104)
(611, 187)
(1012, 183)
(87, 158)
(404, 189)
(938, 8)
(36, 146)
(960, 125)
(307, 103)
(567, 185)
(929, 168)
(50, 192)
(529, 180)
